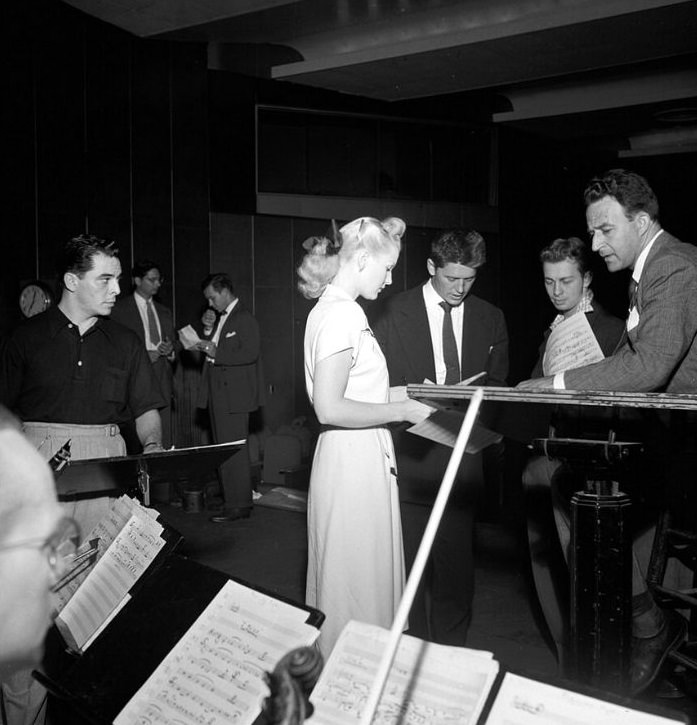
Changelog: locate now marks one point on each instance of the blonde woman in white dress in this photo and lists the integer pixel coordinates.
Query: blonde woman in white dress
(355, 558)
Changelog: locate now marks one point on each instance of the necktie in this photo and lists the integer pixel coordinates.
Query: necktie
(450, 356)
(633, 285)
(152, 324)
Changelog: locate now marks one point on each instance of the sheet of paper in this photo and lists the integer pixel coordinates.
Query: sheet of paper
(133, 549)
(571, 344)
(188, 337)
(428, 683)
(443, 426)
(106, 531)
(214, 674)
(521, 701)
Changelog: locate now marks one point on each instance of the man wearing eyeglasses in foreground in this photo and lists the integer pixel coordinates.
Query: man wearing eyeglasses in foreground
(30, 523)
(154, 325)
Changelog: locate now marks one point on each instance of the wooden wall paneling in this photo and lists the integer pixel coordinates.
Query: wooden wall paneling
(273, 309)
(191, 245)
(232, 251)
(107, 136)
(17, 118)
(302, 229)
(189, 134)
(189, 256)
(151, 140)
(60, 134)
(190, 205)
(231, 126)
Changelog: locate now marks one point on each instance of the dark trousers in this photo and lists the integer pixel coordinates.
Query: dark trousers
(235, 474)
(442, 608)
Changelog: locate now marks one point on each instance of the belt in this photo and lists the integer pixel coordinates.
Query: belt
(76, 430)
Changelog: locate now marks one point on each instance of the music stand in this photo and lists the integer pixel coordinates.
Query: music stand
(94, 477)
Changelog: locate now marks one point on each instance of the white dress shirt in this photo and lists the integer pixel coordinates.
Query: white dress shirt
(141, 304)
(435, 323)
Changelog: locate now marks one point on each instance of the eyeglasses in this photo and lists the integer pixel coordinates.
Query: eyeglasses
(60, 547)
(155, 280)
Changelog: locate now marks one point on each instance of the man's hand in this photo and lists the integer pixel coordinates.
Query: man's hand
(208, 319)
(165, 348)
(537, 384)
(208, 347)
(152, 447)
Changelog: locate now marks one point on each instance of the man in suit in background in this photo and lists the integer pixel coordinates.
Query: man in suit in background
(231, 388)
(658, 353)
(440, 332)
(154, 324)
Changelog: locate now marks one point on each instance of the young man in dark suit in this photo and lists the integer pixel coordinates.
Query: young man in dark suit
(154, 325)
(231, 388)
(441, 332)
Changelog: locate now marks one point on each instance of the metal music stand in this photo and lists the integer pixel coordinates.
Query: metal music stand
(94, 477)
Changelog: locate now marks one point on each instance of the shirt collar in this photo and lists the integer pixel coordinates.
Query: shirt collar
(142, 302)
(641, 259)
(58, 320)
(584, 305)
(431, 297)
(230, 307)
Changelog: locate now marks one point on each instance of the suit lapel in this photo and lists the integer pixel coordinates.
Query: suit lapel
(414, 329)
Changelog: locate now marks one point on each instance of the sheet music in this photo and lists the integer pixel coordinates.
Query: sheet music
(105, 531)
(521, 701)
(442, 426)
(571, 344)
(133, 549)
(428, 683)
(214, 674)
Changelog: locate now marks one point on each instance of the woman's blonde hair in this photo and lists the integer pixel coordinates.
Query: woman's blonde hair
(325, 256)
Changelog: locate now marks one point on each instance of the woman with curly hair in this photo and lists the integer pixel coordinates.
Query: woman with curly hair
(355, 558)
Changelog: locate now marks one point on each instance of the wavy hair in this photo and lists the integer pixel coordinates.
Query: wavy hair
(629, 189)
(572, 248)
(324, 256)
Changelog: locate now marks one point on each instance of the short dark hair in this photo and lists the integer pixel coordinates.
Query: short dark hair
(218, 281)
(78, 254)
(143, 266)
(572, 248)
(628, 188)
(459, 246)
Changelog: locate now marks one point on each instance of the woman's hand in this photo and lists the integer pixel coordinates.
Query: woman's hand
(414, 411)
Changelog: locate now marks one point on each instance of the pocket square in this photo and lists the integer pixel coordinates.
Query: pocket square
(229, 334)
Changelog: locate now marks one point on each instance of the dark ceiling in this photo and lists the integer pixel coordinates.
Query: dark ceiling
(620, 72)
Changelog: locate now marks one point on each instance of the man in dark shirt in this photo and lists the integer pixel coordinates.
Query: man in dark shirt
(72, 373)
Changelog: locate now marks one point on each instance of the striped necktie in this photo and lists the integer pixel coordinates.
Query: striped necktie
(152, 324)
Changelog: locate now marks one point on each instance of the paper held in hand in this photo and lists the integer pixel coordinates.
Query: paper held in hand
(188, 337)
(443, 425)
(571, 344)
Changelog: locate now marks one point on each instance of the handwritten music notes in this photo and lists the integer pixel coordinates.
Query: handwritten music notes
(522, 701)
(428, 683)
(214, 674)
(571, 344)
(129, 540)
